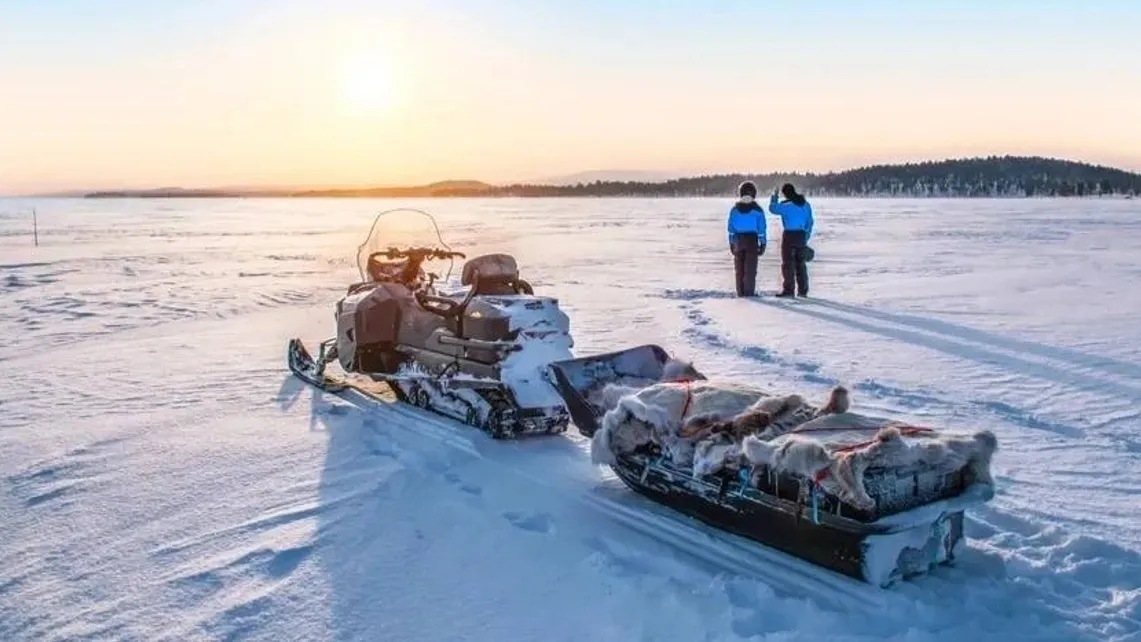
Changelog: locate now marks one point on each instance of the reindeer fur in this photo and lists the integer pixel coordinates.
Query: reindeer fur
(724, 422)
(607, 396)
(755, 419)
(838, 402)
(805, 456)
(661, 406)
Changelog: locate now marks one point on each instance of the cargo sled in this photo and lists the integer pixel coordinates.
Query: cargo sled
(868, 498)
(475, 351)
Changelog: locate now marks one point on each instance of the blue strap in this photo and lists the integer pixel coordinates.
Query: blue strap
(743, 477)
(646, 469)
(938, 541)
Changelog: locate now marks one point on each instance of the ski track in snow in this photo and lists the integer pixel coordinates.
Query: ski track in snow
(161, 477)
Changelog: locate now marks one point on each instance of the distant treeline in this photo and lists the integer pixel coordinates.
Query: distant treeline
(994, 176)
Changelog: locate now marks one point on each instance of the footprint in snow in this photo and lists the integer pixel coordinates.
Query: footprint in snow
(741, 595)
(533, 522)
(456, 480)
(284, 562)
(381, 448)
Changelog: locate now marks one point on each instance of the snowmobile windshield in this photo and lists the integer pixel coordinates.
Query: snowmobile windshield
(401, 231)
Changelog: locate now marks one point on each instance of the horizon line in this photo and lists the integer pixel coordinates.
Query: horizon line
(668, 176)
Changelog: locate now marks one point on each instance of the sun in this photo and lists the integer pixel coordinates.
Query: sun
(366, 83)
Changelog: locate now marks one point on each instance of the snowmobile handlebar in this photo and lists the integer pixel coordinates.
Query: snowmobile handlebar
(419, 253)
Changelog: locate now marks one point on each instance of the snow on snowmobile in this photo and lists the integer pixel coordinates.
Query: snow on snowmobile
(476, 354)
(868, 498)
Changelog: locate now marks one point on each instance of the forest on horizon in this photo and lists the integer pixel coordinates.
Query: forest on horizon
(991, 177)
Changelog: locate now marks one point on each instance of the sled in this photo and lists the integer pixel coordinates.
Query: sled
(915, 526)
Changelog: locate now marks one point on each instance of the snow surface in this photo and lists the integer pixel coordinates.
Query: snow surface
(162, 477)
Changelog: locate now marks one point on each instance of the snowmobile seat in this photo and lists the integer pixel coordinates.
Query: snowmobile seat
(494, 275)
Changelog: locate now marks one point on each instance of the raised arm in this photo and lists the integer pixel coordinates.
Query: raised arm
(776, 207)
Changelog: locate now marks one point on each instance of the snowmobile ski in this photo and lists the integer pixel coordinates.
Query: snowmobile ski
(304, 367)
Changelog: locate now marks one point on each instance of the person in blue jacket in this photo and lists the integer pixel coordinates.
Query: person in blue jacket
(796, 216)
(747, 238)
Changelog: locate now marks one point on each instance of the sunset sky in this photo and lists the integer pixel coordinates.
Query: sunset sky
(197, 93)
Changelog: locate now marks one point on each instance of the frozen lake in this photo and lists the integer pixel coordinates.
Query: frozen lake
(162, 477)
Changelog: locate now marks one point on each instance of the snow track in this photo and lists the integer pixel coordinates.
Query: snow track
(1063, 406)
(552, 469)
(610, 499)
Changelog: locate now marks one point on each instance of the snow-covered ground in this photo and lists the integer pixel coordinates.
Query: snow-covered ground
(162, 477)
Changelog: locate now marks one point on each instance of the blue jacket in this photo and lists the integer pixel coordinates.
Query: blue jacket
(745, 218)
(793, 216)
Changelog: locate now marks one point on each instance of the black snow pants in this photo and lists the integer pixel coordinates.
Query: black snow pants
(793, 268)
(746, 251)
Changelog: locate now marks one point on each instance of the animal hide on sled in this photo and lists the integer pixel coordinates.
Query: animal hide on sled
(840, 467)
(607, 394)
(681, 416)
(656, 413)
(706, 426)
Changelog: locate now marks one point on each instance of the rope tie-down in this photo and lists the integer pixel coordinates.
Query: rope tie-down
(684, 411)
(688, 397)
(688, 401)
(815, 487)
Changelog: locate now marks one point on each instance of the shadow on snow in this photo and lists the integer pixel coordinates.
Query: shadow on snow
(374, 471)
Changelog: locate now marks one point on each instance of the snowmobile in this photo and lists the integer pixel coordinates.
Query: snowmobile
(476, 354)
(914, 525)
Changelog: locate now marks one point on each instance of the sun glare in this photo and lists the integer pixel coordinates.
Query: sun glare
(366, 83)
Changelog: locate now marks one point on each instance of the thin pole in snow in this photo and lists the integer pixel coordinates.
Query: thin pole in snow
(35, 229)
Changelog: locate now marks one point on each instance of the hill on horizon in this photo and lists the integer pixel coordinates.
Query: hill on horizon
(992, 176)
(610, 176)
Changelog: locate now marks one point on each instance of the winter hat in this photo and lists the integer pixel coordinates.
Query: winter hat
(747, 189)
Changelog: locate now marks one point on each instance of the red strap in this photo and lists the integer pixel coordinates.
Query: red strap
(685, 408)
(906, 431)
(688, 399)
(844, 428)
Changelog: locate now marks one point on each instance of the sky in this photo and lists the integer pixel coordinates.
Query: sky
(151, 93)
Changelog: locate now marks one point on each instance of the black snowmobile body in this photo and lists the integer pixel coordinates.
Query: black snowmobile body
(917, 522)
(476, 355)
